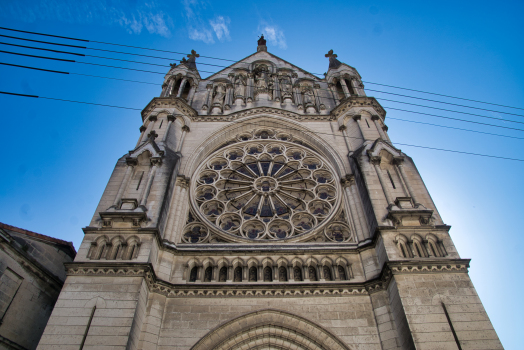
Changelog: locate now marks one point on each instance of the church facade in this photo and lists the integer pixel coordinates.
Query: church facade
(266, 208)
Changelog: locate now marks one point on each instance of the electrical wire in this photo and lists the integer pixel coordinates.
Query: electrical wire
(403, 110)
(147, 71)
(247, 123)
(167, 51)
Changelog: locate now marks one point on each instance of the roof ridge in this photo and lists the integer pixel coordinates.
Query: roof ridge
(37, 235)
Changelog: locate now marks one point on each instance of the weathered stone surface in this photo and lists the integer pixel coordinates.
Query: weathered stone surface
(264, 206)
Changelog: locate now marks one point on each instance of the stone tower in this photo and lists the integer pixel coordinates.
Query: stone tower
(266, 208)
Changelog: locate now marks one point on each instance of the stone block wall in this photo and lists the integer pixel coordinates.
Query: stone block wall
(116, 300)
(422, 296)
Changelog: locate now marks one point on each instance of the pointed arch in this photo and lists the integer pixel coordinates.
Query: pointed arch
(221, 136)
(264, 327)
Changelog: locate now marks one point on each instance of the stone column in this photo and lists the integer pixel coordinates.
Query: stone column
(358, 205)
(170, 120)
(399, 162)
(385, 129)
(151, 125)
(352, 209)
(376, 119)
(142, 129)
(229, 96)
(191, 94)
(343, 129)
(344, 87)
(155, 162)
(131, 162)
(333, 90)
(358, 119)
(170, 85)
(376, 163)
(316, 89)
(173, 210)
(181, 87)
(298, 95)
(276, 88)
(209, 88)
(353, 88)
(164, 90)
(185, 129)
(180, 219)
(250, 88)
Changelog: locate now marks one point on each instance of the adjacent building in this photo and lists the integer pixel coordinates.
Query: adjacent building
(31, 276)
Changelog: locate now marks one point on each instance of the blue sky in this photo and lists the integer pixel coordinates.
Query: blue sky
(58, 156)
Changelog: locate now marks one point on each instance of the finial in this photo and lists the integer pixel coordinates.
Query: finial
(193, 55)
(191, 62)
(261, 44)
(331, 54)
(333, 62)
(152, 135)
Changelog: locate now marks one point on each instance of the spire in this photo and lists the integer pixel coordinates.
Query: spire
(261, 44)
(333, 62)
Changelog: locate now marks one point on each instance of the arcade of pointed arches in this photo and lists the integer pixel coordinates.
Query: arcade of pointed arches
(267, 270)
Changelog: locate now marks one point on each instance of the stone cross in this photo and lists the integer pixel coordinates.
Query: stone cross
(331, 54)
(194, 55)
(333, 62)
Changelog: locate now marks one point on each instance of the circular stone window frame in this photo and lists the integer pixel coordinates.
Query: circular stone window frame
(234, 238)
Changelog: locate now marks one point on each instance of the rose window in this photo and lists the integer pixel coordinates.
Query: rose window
(265, 190)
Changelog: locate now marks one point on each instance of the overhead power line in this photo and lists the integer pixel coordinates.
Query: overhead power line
(180, 53)
(448, 96)
(65, 100)
(142, 82)
(334, 135)
(147, 71)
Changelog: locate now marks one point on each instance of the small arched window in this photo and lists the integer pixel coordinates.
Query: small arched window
(312, 273)
(193, 274)
(327, 273)
(340, 91)
(222, 275)
(175, 87)
(185, 93)
(208, 274)
(253, 274)
(297, 273)
(282, 274)
(268, 274)
(238, 274)
(350, 87)
(342, 273)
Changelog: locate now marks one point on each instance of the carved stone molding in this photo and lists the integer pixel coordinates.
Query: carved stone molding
(357, 101)
(276, 289)
(433, 266)
(261, 110)
(168, 102)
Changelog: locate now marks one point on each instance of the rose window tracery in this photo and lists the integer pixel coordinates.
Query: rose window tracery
(264, 187)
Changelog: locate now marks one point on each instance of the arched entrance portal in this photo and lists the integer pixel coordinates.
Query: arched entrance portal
(269, 330)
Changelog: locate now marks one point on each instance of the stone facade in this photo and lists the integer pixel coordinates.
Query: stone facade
(31, 276)
(264, 207)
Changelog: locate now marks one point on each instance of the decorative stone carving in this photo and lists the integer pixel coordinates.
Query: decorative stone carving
(240, 86)
(262, 190)
(219, 94)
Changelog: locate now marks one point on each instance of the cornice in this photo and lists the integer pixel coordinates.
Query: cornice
(261, 110)
(358, 101)
(169, 102)
(253, 290)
